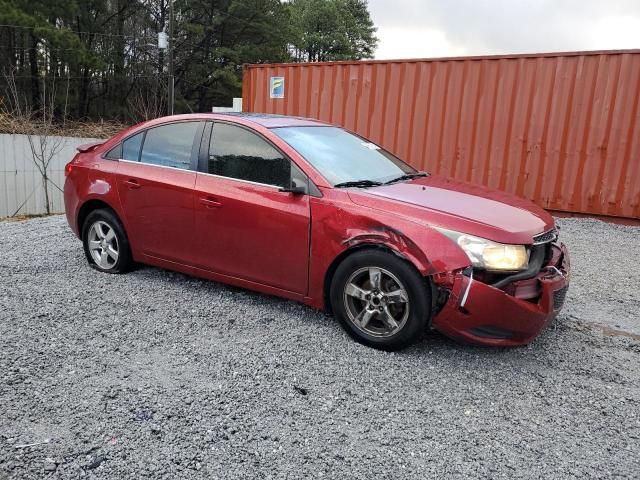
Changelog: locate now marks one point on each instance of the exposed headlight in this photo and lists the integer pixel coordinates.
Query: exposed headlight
(490, 255)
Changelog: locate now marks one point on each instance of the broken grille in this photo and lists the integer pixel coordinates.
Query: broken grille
(545, 237)
(559, 296)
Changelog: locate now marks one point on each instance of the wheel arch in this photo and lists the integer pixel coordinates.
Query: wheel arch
(89, 206)
(333, 266)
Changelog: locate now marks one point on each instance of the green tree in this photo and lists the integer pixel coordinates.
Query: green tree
(103, 60)
(218, 37)
(70, 41)
(325, 30)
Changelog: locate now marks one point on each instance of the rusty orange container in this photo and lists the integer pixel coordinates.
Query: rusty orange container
(561, 129)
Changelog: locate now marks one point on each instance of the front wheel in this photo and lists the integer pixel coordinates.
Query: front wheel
(381, 300)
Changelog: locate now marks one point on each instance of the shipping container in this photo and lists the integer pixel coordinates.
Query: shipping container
(561, 129)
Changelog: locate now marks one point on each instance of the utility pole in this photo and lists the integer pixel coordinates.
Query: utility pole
(171, 79)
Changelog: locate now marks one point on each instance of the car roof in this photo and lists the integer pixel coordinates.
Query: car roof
(265, 120)
(269, 120)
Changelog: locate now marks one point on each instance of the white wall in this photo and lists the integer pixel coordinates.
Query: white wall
(237, 107)
(20, 181)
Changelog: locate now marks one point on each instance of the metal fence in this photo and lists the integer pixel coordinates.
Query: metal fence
(561, 129)
(21, 186)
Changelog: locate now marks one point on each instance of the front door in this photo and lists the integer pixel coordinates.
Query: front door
(245, 226)
(156, 178)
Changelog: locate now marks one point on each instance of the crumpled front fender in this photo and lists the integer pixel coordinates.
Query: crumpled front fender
(349, 226)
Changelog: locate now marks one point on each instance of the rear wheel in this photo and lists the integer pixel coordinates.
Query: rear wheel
(381, 300)
(105, 242)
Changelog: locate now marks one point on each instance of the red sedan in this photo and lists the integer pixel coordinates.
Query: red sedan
(311, 212)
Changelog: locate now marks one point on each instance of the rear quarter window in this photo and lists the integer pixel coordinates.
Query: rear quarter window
(131, 147)
(114, 153)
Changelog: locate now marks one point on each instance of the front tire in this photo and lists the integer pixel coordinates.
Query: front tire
(381, 300)
(105, 242)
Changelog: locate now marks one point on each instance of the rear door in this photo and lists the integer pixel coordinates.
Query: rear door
(156, 177)
(245, 226)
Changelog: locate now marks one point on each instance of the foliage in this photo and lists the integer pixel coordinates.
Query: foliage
(331, 30)
(102, 54)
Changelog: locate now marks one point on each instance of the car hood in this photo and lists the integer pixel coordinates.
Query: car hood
(459, 206)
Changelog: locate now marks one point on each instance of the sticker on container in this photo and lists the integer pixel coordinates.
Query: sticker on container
(276, 87)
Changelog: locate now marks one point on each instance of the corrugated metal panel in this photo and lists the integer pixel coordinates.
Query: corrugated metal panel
(21, 189)
(559, 129)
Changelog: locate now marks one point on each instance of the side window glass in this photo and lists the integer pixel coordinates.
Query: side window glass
(238, 153)
(170, 145)
(114, 153)
(131, 147)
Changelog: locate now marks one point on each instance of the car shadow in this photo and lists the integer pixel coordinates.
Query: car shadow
(431, 342)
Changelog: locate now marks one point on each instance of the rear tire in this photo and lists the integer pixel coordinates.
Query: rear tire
(105, 242)
(381, 300)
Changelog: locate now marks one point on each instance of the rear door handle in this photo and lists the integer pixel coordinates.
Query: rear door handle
(132, 183)
(210, 202)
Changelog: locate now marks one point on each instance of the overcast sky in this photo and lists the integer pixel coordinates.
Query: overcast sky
(436, 28)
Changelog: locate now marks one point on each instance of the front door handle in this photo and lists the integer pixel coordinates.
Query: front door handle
(210, 202)
(132, 183)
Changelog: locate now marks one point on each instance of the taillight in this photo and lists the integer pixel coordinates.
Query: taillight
(69, 166)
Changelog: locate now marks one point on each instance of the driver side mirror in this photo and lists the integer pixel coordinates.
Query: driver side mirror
(294, 189)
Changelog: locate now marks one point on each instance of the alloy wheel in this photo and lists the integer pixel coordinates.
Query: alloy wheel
(376, 301)
(103, 245)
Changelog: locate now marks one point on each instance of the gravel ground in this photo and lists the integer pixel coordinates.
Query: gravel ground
(158, 375)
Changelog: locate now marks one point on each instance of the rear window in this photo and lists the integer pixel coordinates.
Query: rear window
(170, 145)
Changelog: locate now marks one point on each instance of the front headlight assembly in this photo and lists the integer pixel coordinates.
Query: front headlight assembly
(488, 255)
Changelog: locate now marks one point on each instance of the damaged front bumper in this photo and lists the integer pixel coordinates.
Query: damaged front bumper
(478, 313)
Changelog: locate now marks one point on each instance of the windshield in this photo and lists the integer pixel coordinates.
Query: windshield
(343, 157)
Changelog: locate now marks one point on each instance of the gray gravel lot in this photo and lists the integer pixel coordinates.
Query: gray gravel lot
(158, 375)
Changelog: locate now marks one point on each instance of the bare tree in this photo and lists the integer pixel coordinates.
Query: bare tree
(148, 103)
(39, 126)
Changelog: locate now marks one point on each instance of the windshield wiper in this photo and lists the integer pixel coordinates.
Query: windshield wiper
(407, 176)
(358, 183)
